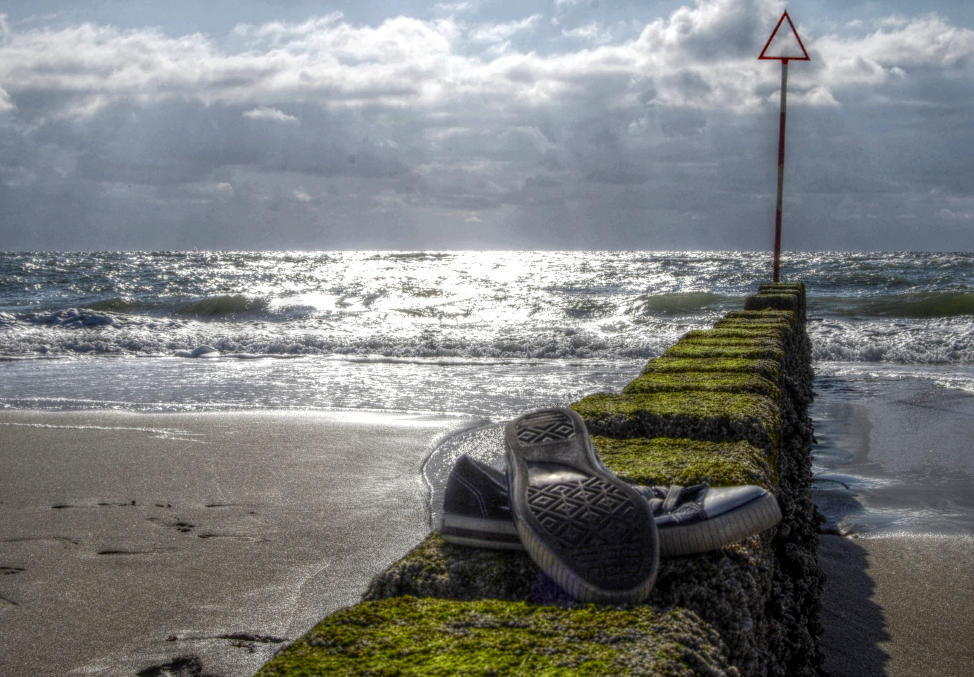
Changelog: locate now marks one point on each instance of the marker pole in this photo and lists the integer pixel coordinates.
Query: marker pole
(781, 167)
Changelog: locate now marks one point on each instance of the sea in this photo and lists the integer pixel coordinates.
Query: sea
(490, 334)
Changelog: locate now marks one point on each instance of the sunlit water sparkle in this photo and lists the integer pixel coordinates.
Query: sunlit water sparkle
(483, 334)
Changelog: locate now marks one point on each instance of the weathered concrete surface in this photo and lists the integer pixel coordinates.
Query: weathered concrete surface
(727, 406)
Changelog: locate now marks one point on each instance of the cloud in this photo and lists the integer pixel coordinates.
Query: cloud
(270, 114)
(591, 32)
(955, 215)
(6, 104)
(526, 126)
(401, 62)
(501, 32)
(700, 56)
(277, 32)
(453, 7)
(897, 52)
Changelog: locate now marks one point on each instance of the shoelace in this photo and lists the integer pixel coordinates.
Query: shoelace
(681, 504)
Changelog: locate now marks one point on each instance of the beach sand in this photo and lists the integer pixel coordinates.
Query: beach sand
(205, 542)
(201, 542)
(898, 606)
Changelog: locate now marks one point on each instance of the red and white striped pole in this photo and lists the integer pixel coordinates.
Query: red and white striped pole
(786, 48)
(781, 168)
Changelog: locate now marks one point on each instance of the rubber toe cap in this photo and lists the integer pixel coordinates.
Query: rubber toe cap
(721, 500)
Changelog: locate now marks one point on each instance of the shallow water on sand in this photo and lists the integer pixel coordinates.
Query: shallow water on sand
(895, 451)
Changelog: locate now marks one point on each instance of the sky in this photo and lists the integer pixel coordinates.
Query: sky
(464, 124)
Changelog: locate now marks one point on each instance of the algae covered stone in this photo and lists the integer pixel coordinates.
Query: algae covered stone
(772, 301)
(744, 318)
(436, 568)
(748, 333)
(428, 637)
(727, 381)
(769, 369)
(667, 460)
(700, 349)
(715, 416)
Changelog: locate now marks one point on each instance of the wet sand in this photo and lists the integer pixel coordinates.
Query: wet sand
(202, 542)
(895, 465)
(898, 606)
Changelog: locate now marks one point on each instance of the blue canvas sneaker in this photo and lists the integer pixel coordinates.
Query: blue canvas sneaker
(689, 520)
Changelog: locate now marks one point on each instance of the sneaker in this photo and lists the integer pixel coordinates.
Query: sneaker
(689, 520)
(701, 518)
(476, 509)
(589, 531)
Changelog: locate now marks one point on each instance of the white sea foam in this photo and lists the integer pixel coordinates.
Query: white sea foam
(159, 433)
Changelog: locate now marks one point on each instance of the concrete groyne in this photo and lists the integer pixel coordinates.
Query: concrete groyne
(727, 405)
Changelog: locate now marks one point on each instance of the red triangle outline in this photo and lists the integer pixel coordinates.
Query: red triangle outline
(797, 37)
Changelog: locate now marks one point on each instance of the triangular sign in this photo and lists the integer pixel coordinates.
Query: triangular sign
(785, 46)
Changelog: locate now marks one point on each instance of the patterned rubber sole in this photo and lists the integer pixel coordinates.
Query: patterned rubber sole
(544, 427)
(594, 525)
(590, 532)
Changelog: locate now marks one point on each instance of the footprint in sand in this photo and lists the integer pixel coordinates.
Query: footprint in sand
(100, 504)
(150, 551)
(179, 525)
(9, 571)
(25, 539)
(186, 527)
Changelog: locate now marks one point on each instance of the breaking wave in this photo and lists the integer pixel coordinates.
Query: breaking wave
(909, 305)
(223, 305)
(881, 307)
(680, 303)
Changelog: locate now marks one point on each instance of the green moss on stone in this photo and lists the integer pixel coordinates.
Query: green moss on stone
(745, 325)
(701, 349)
(797, 288)
(702, 415)
(754, 317)
(769, 369)
(689, 404)
(756, 342)
(772, 301)
(665, 461)
(728, 381)
(429, 637)
(439, 569)
(747, 333)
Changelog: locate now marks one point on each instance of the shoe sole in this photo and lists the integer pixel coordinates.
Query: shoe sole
(716, 532)
(588, 530)
(675, 541)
